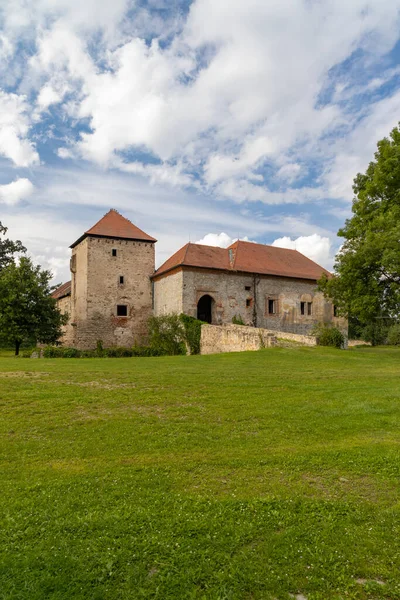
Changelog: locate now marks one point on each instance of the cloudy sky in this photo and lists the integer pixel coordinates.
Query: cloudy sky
(202, 120)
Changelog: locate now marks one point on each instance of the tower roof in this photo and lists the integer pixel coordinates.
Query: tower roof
(114, 225)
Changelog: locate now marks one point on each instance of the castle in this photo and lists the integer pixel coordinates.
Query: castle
(115, 288)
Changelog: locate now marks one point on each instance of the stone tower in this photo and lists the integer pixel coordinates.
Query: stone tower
(111, 294)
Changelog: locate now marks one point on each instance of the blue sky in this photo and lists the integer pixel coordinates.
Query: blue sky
(193, 119)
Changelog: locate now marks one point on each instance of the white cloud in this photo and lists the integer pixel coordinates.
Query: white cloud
(221, 240)
(290, 172)
(14, 128)
(14, 192)
(220, 100)
(315, 246)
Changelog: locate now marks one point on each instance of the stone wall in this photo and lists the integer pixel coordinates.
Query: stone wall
(234, 338)
(64, 306)
(96, 291)
(168, 294)
(247, 297)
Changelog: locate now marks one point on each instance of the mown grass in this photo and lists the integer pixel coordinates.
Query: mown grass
(242, 476)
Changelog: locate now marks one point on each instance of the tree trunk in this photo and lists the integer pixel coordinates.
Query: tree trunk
(17, 345)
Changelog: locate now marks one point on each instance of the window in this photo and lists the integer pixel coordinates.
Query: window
(247, 288)
(249, 302)
(121, 279)
(271, 307)
(309, 308)
(303, 308)
(122, 310)
(114, 252)
(335, 313)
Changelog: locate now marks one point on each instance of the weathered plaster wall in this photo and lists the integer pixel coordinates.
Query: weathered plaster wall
(96, 291)
(239, 338)
(245, 296)
(168, 294)
(233, 338)
(64, 306)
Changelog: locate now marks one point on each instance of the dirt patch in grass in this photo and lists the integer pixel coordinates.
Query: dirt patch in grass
(24, 374)
(103, 385)
(97, 414)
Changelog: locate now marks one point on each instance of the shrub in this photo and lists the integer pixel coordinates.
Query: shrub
(88, 354)
(328, 336)
(70, 353)
(99, 348)
(375, 332)
(116, 352)
(192, 329)
(27, 353)
(393, 337)
(167, 334)
(61, 352)
(237, 320)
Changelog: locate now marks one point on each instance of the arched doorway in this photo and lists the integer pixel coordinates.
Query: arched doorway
(204, 308)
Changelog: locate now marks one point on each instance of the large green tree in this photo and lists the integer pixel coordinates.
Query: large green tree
(28, 313)
(366, 282)
(8, 248)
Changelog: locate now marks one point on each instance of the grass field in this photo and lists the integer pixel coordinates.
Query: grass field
(242, 476)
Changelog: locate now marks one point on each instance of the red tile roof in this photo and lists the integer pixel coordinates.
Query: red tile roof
(245, 257)
(62, 291)
(114, 225)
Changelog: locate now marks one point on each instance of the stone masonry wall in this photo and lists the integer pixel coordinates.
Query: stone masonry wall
(245, 296)
(168, 294)
(64, 306)
(95, 308)
(234, 338)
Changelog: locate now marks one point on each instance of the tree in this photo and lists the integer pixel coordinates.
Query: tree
(28, 313)
(366, 281)
(8, 248)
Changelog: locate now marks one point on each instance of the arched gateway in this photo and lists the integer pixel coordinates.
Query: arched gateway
(204, 308)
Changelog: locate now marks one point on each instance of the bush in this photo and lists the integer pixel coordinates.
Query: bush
(192, 328)
(237, 320)
(167, 334)
(27, 353)
(376, 333)
(393, 337)
(328, 336)
(61, 352)
(116, 352)
(147, 351)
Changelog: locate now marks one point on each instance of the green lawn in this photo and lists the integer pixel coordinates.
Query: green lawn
(238, 476)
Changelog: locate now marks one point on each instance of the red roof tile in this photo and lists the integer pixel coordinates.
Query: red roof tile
(245, 257)
(62, 291)
(114, 225)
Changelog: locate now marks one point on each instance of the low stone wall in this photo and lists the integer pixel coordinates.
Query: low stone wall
(304, 340)
(234, 338)
(240, 338)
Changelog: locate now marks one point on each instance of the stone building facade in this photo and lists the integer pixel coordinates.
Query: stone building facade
(110, 294)
(114, 286)
(262, 286)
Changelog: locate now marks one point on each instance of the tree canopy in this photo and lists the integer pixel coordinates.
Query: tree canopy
(8, 248)
(28, 313)
(366, 282)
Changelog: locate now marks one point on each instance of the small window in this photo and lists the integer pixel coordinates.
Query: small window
(114, 252)
(309, 308)
(249, 302)
(303, 308)
(247, 288)
(271, 307)
(121, 279)
(335, 312)
(122, 310)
